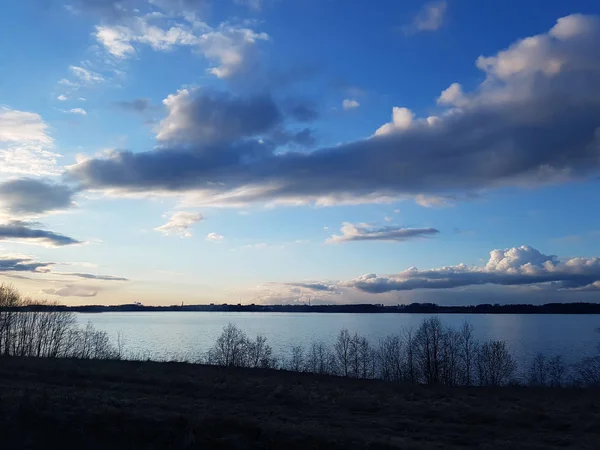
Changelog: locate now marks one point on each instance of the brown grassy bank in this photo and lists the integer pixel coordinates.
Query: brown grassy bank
(86, 404)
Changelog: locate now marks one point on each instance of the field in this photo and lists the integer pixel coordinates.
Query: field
(75, 404)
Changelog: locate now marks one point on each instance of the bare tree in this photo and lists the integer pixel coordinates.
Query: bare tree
(411, 369)
(295, 362)
(538, 371)
(468, 352)
(557, 371)
(428, 343)
(230, 349)
(495, 364)
(390, 358)
(342, 352)
(587, 371)
(320, 359)
(260, 354)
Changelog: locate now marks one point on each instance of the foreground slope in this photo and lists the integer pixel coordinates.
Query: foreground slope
(127, 405)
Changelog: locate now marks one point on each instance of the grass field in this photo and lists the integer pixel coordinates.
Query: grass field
(74, 404)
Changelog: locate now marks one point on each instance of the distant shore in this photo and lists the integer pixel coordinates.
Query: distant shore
(413, 308)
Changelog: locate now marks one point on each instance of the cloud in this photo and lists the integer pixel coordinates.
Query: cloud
(430, 18)
(350, 104)
(25, 145)
(205, 118)
(534, 120)
(28, 196)
(86, 76)
(214, 237)
(24, 231)
(89, 276)
(22, 264)
(352, 232)
(180, 224)
(78, 111)
(303, 112)
(511, 267)
(138, 105)
(230, 48)
(71, 290)
(315, 286)
(62, 98)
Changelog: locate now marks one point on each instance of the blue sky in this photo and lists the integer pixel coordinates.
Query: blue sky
(273, 150)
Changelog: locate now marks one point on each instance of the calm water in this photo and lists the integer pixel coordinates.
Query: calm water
(190, 334)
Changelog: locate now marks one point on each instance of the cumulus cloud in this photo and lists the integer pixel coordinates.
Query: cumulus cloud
(349, 103)
(24, 231)
(204, 118)
(351, 232)
(534, 120)
(25, 144)
(62, 98)
(510, 267)
(430, 18)
(32, 197)
(214, 237)
(138, 105)
(179, 224)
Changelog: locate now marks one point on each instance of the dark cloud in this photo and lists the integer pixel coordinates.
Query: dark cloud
(314, 286)
(304, 112)
(529, 123)
(29, 196)
(352, 232)
(203, 118)
(22, 264)
(139, 105)
(90, 276)
(511, 267)
(24, 231)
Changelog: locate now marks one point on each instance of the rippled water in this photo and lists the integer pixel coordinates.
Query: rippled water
(190, 334)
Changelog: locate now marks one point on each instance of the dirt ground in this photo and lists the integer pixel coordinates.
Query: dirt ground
(68, 404)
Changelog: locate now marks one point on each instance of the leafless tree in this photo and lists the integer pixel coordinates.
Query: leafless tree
(230, 349)
(557, 371)
(260, 354)
(428, 344)
(495, 364)
(390, 359)
(538, 371)
(342, 351)
(468, 352)
(295, 362)
(320, 359)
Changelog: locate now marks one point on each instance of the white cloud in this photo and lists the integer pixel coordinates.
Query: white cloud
(430, 18)
(86, 76)
(62, 98)
(214, 237)
(402, 119)
(453, 95)
(78, 111)
(229, 46)
(364, 232)
(350, 104)
(25, 145)
(510, 267)
(180, 223)
(428, 201)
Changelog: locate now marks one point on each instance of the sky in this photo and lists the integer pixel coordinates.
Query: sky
(272, 151)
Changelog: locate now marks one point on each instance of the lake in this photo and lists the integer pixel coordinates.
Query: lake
(159, 335)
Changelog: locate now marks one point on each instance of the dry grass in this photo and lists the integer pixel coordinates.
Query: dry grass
(142, 405)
